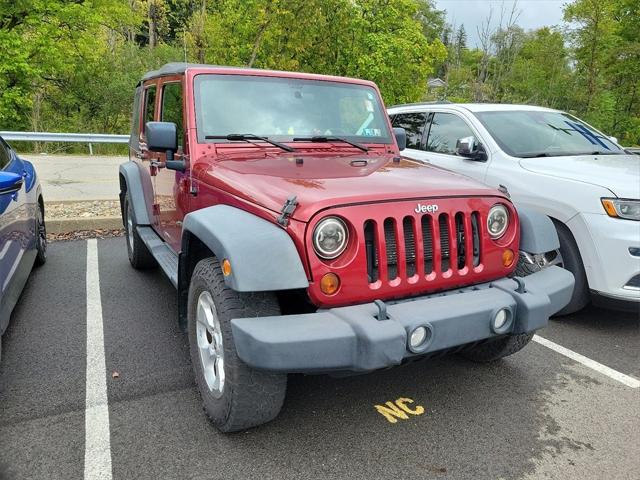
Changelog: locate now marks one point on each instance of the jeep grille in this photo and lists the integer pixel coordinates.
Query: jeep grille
(445, 242)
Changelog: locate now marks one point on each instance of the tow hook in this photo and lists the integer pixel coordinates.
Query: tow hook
(287, 210)
(521, 285)
(382, 310)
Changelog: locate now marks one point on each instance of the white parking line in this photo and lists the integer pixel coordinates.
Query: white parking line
(587, 362)
(97, 450)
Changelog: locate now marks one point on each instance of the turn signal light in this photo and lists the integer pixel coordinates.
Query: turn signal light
(226, 267)
(609, 207)
(508, 257)
(329, 283)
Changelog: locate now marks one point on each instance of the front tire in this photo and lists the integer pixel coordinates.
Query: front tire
(568, 257)
(139, 255)
(497, 349)
(41, 236)
(572, 261)
(234, 395)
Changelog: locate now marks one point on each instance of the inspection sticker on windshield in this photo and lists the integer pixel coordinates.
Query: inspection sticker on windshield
(372, 132)
(399, 409)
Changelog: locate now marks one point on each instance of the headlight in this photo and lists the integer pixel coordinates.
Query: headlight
(621, 208)
(330, 238)
(497, 221)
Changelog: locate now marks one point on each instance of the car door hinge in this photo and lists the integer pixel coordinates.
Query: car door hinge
(287, 210)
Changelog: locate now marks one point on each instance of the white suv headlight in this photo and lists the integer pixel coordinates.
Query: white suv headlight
(330, 238)
(621, 208)
(497, 221)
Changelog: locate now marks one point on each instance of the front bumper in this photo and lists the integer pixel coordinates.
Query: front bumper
(604, 244)
(353, 339)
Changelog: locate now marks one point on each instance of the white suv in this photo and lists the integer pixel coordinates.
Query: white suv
(553, 162)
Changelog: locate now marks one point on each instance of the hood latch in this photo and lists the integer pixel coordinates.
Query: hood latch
(287, 210)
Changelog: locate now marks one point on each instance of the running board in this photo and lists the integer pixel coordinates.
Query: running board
(163, 254)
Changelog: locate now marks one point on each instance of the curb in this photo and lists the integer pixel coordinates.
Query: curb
(66, 225)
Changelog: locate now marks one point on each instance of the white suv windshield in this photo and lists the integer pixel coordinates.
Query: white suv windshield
(531, 133)
(285, 108)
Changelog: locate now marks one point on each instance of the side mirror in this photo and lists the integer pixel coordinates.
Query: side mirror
(401, 137)
(10, 182)
(614, 140)
(162, 137)
(470, 148)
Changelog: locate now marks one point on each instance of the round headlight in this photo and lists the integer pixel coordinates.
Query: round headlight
(330, 238)
(497, 221)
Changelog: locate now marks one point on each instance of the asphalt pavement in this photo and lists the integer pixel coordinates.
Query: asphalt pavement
(77, 177)
(537, 414)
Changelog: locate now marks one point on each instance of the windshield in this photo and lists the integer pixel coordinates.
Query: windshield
(284, 108)
(530, 133)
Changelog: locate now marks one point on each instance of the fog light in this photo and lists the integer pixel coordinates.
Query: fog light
(507, 257)
(417, 337)
(329, 283)
(500, 319)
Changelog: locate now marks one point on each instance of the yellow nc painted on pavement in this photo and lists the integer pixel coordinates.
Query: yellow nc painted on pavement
(399, 409)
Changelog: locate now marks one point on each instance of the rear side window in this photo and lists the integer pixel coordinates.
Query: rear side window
(5, 155)
(446, 129)
(149, 104)
(413, 123)
(172, 107)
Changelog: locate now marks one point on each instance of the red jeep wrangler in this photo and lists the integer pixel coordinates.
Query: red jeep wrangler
(300, 241)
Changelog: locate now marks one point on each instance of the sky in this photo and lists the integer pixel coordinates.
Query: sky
(473, 13)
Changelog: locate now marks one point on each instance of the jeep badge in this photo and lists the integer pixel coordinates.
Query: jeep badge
(433, 208)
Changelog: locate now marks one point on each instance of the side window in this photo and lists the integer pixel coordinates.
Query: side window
(5, 155)
(413, 123)
(135, 115)
(446, 129)
(172, 107)
(149, 104)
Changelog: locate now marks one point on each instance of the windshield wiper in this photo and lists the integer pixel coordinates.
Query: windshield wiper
(538, 155)
(600, 152)
(247, 137)
(324, 139)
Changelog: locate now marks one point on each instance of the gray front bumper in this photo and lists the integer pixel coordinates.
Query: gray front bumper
(353, 339)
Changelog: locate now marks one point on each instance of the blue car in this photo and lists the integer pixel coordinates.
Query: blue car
(23, 237)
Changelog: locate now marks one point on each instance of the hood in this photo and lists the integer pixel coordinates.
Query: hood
(618, 173)
(320, 182)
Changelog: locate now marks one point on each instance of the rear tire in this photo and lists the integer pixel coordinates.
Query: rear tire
(234, 395)
(139, 255)
(497, 349)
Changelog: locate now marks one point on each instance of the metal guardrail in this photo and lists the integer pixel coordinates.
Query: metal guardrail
(88, 138)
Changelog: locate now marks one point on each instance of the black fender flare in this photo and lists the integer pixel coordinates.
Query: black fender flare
(537, 232)
(262, 255)
(141, 197)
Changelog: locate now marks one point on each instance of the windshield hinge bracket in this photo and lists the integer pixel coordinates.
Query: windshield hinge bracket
(287, 210)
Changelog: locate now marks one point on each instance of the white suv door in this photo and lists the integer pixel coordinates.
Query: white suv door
(438, 144)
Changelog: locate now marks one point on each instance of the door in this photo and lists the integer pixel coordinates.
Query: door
(442, 134)
(144, 110)
(16, 232)
(171, 187)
